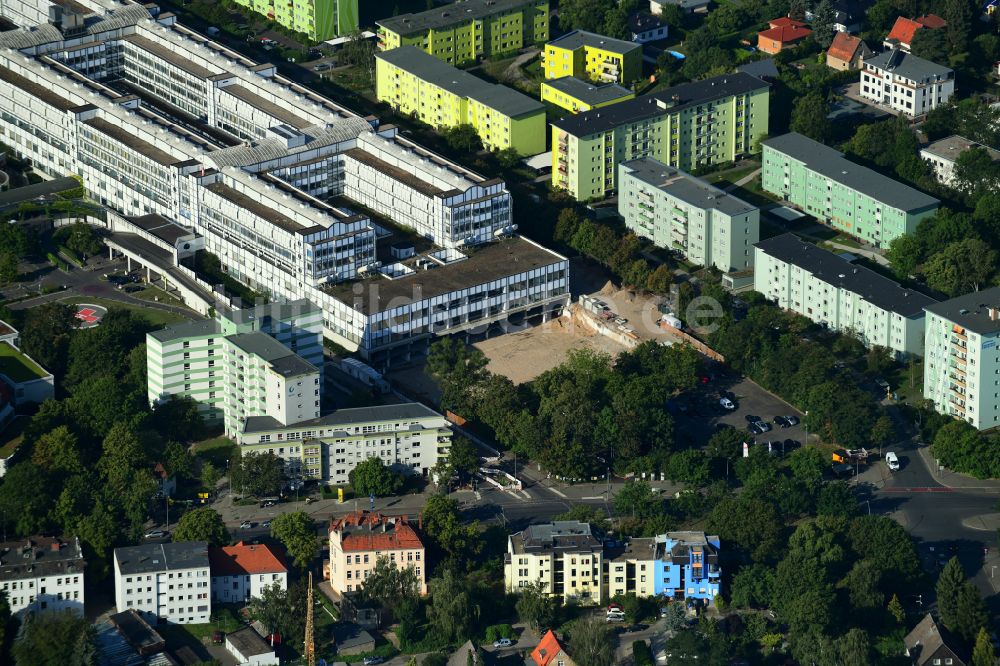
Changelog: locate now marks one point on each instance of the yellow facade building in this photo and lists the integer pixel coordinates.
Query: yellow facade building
(594, 57)
(416, 83)
(576, 95)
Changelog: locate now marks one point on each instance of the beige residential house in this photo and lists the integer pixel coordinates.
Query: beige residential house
(565, 556)
(358, 539)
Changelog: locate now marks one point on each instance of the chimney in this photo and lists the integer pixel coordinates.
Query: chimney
(994, 313)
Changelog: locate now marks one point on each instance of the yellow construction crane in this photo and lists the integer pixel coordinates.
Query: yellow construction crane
(310, 647)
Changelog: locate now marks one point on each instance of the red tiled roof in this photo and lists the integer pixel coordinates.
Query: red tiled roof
(785, 34)
(785, 22)
(243, 559)
(844, 46)
(932, 21)
(160, 471)
(364, 531)
(903, 30)
(546, 650)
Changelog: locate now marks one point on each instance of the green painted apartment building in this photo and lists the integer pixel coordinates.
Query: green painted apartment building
(319, 19)
(678, 211)
(470, 29)
(687, 126)
(263, 361)
(847, 196)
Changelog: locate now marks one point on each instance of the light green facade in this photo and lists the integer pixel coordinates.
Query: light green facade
(689, 126)
(845, 195)
(678, 211)
(319, 19)
(468, 30)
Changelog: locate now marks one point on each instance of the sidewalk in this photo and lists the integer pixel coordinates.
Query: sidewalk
(956, 480)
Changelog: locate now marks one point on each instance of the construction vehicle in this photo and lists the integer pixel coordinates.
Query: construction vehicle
(851, 456)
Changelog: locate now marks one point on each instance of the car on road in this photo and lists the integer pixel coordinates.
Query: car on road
(246, 525)
(266, 524)
(322, 67)
(268, 503)
(372, 661)
(892, 461)
(727, 404)
(310, 500)
(156, 534)
(632, 628)
(786, 421)
(502, 643)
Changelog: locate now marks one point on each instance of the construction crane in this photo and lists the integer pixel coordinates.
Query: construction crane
(310, 647)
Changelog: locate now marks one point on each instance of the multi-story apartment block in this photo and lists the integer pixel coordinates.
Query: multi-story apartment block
(565, 556)
(962, 357)
(674, 565)
(908, 85)
(42, 574)
(319, 20)
(943, 154)
(586, 55)
(174, 132)
(576, 95)
(830, 290)
(688, 126)
(845, 195)
(462, 32)
(242, 364)
(678, 211)
(408, 437)
(416, 83)
(242, 571)
(358, 540)
(168, 582)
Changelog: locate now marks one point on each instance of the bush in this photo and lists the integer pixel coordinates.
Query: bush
(56, 261)
(641, 654)
(497, 631)
(71, 255)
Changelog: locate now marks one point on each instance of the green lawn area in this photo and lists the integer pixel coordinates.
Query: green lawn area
(217, 450)
(151, 292)
(18, 367)
(495, 68)
(224, 618)
(154, 316)
(725, 178)
(13, 435)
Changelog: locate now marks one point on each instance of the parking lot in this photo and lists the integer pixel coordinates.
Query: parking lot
(700, 421)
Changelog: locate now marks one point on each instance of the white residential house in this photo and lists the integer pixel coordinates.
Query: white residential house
(906, 84)
(166, 582)
(242, 571)
(42, 574)
(943, 155)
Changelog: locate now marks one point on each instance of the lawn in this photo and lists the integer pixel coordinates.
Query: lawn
(18, 367)
(217, 450)
(13, 435)
(151, 292)
(724, 179)
(153, 315)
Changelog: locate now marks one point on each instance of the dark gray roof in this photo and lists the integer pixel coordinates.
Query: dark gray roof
(832, 164)
(760, 68)
(685, 187)
(188, 329)
(453, 14)
(35, 190)
(248, 642)
(971, 311)
(428, 68)
(348, 635)
(639, 22)
(877, 289)
(571, 535)
(281, 359)
(580, 38)
(152, 557)
(908, 66)
(375, 413)
(659, 103)
(587, 92)
(40, 556)
(926, 642)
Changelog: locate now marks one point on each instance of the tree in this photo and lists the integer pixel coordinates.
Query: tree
(591, 642)
(883, 431)
(297, 533)
(26, 499)
(983, 654)
(958, 14)
(636, 498)
(257, 474)
(797, 10)
(463, 138)
(389, 585)
(458, 369)
(443, 525)
(126, 472)
(58, 451)
(809, 116)
(853, 648)
(8, 625)
(8, 267)
(661, 278)
(83, 239)
(46, 333)
(895, 609)
(675, 617)
(463, 456)
(204, 524)
(862, 585)
(209, 475)
(180, 417)
(280, 611)
(55, 638)
(822, 23)
(752, 586)
(360, 52)
(535, 607)
(931, 45)
(372, 477)
(584, 14)
(970, 613)
(802, 596)
(452, 612)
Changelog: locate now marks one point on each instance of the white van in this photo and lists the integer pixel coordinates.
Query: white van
(891, 461)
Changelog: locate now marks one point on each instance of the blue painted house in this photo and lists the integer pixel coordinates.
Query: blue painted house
(687, 566)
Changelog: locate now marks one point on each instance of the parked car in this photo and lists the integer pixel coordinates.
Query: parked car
(615, 617)
(786, 421)
(754, 429)
(763, 425)
(752, 418)
(727, 404)
(310, 500)
(637, 627)
(266, 524)
(372, 661)
(268, 503)
(217, 637)
(621, 321)
(246, 525)
(502, 643)
(322, 67)
(892, 461)
(157, 534)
